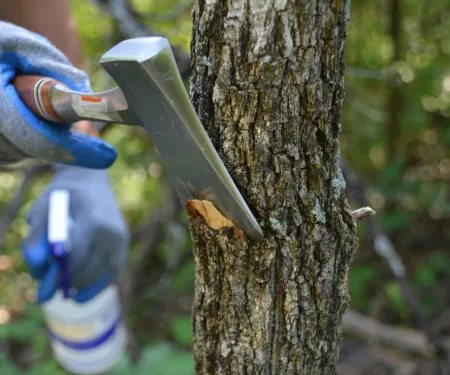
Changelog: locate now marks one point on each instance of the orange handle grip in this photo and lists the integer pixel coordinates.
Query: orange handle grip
(34, 91)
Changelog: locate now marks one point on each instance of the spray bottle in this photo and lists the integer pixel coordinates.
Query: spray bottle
(86, 338)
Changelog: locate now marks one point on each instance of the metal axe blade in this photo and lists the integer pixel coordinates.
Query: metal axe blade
(146, 72)
(150, 93)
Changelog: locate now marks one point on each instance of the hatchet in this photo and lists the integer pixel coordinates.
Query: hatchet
(151, 94)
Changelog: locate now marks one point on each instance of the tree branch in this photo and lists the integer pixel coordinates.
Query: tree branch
(373, 332)
(130, 26)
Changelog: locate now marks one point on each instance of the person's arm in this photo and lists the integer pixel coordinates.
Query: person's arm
(52, 19)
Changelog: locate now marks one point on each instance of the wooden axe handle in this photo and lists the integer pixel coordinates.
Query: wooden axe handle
(35, 94)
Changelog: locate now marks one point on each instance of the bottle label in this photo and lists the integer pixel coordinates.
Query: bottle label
(79, 342)
(78, 332)
(87, 337)
(86, 329)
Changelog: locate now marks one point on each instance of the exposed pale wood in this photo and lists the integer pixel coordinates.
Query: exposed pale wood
(212, 216)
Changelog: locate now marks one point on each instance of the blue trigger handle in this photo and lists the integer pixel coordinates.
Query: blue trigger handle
(59, 252)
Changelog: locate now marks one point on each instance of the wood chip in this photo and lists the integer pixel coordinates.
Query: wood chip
(212, 216)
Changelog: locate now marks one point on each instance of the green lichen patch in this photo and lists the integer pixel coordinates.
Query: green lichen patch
(318, 213)
(338, 184)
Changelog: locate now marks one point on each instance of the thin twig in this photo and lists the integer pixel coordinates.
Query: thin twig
(363, 212)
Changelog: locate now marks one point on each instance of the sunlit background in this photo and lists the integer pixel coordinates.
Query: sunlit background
(395, 145)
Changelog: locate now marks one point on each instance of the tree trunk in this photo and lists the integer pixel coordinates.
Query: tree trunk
(268, 87)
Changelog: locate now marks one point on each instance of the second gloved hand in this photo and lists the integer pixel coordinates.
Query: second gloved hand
(99, 237)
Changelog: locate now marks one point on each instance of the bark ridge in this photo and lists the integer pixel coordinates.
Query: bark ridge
(267, 85)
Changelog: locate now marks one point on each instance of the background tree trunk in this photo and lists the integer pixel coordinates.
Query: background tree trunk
(268, 86)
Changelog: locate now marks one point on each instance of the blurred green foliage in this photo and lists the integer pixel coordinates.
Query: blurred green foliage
(396, 136)
(360, 279)
(407, 186)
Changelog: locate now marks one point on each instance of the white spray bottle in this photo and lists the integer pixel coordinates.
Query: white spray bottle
(86, 338)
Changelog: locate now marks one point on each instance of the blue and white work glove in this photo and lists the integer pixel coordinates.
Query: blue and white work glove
(98, 235)
(24, 135)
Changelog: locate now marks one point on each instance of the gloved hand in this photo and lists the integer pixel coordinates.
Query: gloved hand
(24, 135)
(98, 235)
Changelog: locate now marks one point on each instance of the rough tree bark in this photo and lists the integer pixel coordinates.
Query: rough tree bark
(268, 87)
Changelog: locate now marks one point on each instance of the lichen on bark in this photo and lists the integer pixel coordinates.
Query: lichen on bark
(267, 85)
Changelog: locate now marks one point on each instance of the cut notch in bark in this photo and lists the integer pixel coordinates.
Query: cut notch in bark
(212, 217)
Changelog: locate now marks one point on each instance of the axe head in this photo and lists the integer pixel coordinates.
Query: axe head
(146, 73)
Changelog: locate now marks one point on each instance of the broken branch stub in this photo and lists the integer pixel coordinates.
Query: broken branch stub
(212, 217)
